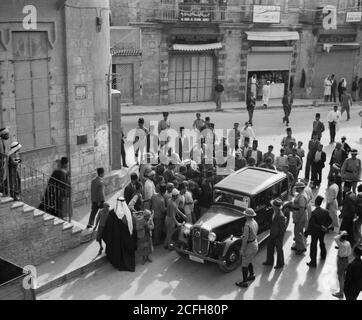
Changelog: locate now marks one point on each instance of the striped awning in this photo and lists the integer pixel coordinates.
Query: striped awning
(126, 52)
(197, 47)
(272, 35)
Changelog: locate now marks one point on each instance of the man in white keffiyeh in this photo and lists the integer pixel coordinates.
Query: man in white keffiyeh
(122, 211)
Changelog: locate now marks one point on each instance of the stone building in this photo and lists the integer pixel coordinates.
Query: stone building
(54, 95)
(186, 46)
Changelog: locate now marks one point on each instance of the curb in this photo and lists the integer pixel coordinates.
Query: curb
(142, 113)
(71, 275)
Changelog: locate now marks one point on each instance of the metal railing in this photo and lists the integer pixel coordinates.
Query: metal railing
(51, 194)
(200, 12)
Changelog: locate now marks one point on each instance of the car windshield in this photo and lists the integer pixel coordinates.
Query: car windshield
(230, 198)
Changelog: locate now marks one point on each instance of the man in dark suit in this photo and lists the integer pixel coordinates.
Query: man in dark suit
(348, 213)
(318, 225)
(183, 145)
(255, 153)
(353, 280)
(318, 127)
(345, 145)
(277, 231)
(97, 196)
(318, 164)
(130, 189)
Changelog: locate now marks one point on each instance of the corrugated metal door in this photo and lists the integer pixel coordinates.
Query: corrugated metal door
(125, 82)
(337, 62)
(191, 78)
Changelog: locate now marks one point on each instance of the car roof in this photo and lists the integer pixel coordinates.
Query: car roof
(250, 180)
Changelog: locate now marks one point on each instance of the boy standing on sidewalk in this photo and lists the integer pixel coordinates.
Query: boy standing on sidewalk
(97, 196)
(100, 223)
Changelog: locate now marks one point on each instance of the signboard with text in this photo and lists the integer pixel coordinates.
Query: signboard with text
(355, 16)
(266, 14)
(336, 38)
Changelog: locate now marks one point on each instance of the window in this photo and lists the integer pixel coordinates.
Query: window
(229, 198)
(30, 50)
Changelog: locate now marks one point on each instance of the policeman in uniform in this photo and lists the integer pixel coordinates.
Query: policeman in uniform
(249, 248)
(300, 204)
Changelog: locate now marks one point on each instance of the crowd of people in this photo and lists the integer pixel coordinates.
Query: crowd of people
(171, 189)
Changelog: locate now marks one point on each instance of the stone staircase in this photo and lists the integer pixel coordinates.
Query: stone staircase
(31, 237)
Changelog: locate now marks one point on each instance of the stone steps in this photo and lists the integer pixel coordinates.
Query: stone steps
(31, 236)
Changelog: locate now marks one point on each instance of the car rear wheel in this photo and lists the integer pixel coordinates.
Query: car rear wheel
(232, 258)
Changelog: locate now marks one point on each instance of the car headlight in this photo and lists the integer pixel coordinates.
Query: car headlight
(212, 237)
(187, 229)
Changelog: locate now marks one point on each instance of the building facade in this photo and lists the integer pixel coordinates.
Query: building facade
(54, 95)
(186, 46)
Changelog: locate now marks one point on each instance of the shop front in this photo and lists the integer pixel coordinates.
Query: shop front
(270, 59)
(335, 54)
(192, 72)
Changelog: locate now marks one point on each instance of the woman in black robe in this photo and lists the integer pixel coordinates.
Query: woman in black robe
(121, 239)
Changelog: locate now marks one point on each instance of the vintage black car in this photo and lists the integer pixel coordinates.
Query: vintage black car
(216, 236)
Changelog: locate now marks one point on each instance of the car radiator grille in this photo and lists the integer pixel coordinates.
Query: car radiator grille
(200, 241)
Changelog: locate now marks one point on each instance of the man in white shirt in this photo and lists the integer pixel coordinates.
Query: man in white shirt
(333, 118)
(344, 251)
(247, 132)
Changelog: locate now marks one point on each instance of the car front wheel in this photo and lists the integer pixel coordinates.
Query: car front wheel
(232, 258)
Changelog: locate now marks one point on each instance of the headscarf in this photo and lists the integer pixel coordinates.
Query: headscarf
(123, 210)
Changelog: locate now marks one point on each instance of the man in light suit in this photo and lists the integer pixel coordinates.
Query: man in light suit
(277, 231)
(255, 153)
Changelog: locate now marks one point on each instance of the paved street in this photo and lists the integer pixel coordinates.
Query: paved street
(170, 277)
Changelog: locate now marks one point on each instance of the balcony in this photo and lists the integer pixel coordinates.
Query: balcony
(314, 15)
(199, 12)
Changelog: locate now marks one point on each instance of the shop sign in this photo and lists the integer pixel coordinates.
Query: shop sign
(355, 16)
(336, 38)
(266, 14)
(195, 15)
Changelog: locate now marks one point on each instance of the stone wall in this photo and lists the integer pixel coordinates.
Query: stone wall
(151, 44)
(230, 63)
(79, 58)
(29, 236)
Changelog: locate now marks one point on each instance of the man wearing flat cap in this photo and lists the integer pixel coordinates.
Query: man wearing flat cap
(351, 170)
(4, 149)
(277, 232)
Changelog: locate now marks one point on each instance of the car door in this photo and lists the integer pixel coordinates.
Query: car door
(264, 209)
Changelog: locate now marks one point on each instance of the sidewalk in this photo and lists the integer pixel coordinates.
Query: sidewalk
(209, 106)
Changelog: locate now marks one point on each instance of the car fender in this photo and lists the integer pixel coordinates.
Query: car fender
(228, 242)
(178, 236)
